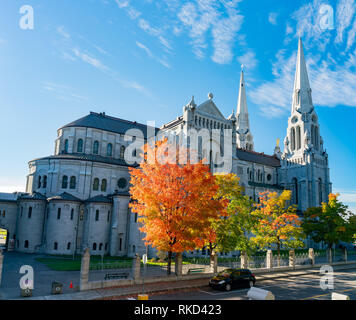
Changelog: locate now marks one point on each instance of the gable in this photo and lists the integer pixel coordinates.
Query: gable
(209, 107)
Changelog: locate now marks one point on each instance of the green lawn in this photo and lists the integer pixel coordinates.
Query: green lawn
(66, 263)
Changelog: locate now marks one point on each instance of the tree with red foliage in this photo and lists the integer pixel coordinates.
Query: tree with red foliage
(175, 202)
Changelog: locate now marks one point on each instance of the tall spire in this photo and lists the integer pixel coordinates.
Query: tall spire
(244, 139)
(302, 100)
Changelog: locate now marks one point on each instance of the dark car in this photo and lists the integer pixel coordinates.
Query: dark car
(233, 278)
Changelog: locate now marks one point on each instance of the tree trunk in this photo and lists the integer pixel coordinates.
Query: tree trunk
(169, 264)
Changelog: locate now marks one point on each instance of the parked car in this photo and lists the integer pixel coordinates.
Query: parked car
(233, 278)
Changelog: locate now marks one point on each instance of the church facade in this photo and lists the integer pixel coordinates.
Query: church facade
(79, 197)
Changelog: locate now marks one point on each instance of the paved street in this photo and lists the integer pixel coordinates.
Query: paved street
(303, 287)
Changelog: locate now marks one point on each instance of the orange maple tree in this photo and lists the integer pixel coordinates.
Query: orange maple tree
(175, 202)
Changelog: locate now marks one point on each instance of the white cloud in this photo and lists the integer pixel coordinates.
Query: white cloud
(145, 26)
(63, 33)
(223, 21)
(289, 29)
(62, 92)
(144, 48)
(351, 36)
(162, 61)
(344, 14)
(123, 3)
(248, 60)
(90, 60)
(134, 85)
(272, 18)
(332, 83)
(332, 77)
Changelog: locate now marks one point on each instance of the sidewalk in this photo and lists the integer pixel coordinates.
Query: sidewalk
(111, 293)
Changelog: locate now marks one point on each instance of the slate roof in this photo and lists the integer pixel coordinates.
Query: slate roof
(10, 197)
(65, 197)
(33, 196)
(103, 122)
(121, 193)
(100, 199)
(260, 158)
(88, 157)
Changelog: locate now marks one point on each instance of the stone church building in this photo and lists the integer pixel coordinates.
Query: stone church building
(79, 196)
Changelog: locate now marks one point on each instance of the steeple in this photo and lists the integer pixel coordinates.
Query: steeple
(244, 136)
(303, 132)
(302, 99)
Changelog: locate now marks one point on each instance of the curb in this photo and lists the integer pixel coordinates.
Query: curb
(100, 295)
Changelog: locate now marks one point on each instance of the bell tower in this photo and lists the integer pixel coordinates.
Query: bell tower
(304, 160)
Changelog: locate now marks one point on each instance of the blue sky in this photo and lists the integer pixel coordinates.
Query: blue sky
(143, 60)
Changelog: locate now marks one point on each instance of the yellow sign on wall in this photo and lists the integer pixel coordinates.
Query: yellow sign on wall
(3, 236)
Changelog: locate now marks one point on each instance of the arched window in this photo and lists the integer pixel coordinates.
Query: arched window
(94, 246)
(72, 214)
(39, 182)
(109, 150)
(64, 182)
(97, 215)
(295, 191)
(122, 152)
(313, 135)
(26, 244)
(106, 246)
(68, 246)
(55, 246)
(320, 189)
(44, 181)
(299, 138)
(96, 184)
(73, 182)
(104, 185)
(134, 249)
(96, 147)
(316, 138)
(108, 216)
(59, 213)
(66, 146)
(80, 146)
(292, 138)
(29, 212)
(100, 246)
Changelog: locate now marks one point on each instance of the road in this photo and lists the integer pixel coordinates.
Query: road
(302, 287)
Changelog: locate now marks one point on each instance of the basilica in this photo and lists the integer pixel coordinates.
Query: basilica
(79, 197)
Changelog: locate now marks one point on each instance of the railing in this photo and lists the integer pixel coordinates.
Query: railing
(281, 261)
(234, 263)
(97, 265)
(256, 262)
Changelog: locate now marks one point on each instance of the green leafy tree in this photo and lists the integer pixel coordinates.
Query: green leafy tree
(278, 224)
(330, 223)
(232, 230)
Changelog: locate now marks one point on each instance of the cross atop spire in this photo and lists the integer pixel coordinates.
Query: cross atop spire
(302, 100)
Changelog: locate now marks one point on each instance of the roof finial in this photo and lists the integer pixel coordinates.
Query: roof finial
(192, 103)
(242, 68)
(210, 96)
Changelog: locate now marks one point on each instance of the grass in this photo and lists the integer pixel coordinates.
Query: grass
(66, 263)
